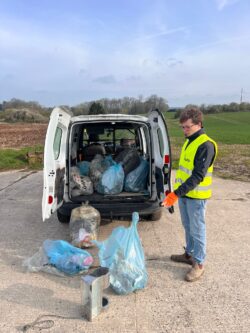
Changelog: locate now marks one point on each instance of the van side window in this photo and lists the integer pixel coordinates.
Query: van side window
(161, 142)
(57, 142)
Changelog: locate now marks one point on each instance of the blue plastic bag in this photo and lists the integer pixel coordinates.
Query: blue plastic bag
(111, 181)
(65, 257)
(84, 168)
(123, 254)
(107, 162)
(136, 180)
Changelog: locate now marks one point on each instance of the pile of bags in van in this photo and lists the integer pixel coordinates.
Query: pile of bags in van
(105, 175)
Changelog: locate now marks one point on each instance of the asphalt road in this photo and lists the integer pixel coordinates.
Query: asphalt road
(219, 302)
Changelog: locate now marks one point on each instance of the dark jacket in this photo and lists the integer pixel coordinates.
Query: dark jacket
(203, 159)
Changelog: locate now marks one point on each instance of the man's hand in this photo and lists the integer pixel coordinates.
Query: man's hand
(170, 200)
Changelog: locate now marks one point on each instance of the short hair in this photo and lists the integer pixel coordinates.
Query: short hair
(193, 113)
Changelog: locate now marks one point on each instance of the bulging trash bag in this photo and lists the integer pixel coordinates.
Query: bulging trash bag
(39, 262)
(74, 171)
(111, 181)
(85, 185)
(82, 184)
(65, 257)
(125, 276)
(83, 226)
(96, 169)
(107, 162)
(136, 180)
(129, 159)
(84, 168)
(123, 254)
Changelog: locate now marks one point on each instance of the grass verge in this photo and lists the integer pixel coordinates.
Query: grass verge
(11, 159)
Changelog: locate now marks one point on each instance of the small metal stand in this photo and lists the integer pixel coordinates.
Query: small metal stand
(92, 286)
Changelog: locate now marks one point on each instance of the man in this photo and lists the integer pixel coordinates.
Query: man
(192, 189)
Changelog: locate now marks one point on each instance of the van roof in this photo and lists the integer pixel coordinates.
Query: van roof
(109, 117)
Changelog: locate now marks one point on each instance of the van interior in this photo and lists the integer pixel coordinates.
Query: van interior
(87, 140)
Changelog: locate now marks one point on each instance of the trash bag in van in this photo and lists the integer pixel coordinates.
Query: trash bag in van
(96, 169)
(80, 185)
(112, 180)
(136, 180)
(84, 168)
(123, 254)
(108, 162)
(83, 226)
(129, 158)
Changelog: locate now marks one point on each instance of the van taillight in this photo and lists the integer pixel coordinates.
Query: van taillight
(50, 199)
(166, 159)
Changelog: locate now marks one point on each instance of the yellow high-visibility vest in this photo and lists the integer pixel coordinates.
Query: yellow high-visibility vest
(186, 166)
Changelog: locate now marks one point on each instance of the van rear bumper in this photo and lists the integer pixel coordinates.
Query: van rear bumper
(115, 210)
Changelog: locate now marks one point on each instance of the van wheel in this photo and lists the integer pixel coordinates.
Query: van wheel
(63, 218)
(155, 216)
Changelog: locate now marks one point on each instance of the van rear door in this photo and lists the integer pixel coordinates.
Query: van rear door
(55, 161)
(161, 153)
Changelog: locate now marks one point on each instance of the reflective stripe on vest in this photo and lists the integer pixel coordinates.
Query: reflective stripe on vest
(186, 166)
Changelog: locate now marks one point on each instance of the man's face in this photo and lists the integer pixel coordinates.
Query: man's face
(190, 128)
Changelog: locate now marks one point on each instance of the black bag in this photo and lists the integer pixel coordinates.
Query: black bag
(129, 159)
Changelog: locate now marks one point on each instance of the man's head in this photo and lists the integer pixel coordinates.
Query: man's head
(191, 120)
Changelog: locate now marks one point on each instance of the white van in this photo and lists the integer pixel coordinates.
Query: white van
(68, 144)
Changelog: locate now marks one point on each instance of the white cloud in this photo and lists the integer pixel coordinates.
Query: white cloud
(221, 4)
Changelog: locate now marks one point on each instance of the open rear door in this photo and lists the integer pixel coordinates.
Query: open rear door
(55, 161)
(161, 153)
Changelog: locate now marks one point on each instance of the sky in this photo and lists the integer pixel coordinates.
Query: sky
(72, 51)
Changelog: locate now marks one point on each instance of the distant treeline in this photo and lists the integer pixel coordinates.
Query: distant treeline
(17, 110)
(215, 108)
(126, 105)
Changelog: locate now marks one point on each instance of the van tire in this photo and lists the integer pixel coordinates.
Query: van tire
(63, 218)
(155, 216)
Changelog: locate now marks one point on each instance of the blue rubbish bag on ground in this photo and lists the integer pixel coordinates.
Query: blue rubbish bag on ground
(123, 254)
(65, 257)
(136, 180)
(111, 181)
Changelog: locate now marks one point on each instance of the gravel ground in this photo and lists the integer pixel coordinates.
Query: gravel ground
(219, 302)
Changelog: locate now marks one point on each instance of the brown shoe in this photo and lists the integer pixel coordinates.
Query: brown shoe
(195, 272)
(187, 259)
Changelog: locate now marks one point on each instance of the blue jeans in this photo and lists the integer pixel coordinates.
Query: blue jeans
(193, 219)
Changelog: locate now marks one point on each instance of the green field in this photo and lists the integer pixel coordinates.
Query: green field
(232, 133)
(226, 128)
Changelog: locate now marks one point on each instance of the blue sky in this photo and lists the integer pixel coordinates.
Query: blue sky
(68, 52)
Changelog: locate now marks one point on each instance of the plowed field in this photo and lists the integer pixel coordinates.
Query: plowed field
(22, 135)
